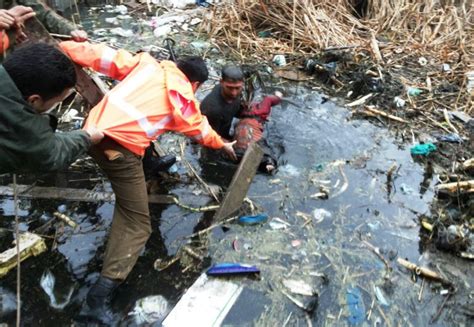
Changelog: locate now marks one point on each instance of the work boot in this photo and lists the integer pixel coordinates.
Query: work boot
(97, 305)
(152, 165)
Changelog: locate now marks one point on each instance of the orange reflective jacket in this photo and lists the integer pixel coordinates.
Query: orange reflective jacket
(4, 41)
(152, 98)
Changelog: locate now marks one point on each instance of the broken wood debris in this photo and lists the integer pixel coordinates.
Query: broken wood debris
(30, 245)
(425, 272)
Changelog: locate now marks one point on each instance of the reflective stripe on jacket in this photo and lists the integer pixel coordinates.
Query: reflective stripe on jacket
(152, 98)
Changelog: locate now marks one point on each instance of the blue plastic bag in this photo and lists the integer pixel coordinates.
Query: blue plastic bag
(423, 149)
(355, 306)
(253, 220)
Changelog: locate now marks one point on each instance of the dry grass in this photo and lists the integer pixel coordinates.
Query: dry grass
(441, 30)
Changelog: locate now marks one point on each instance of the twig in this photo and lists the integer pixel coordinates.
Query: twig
(18, 256)
(190, 167)
(377, 252)
(421, 289)
(205, 230)
(440, 309)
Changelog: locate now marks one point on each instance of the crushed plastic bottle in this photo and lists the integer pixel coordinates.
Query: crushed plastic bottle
(149, 310)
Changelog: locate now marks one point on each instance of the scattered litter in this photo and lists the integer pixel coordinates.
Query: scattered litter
(7, 302)
(278, 223)
(470, 81)
(319, 167)
(195, 21)
(121, 9)
(47, 284)
(30, 245)
(253, 220)
(176, 4)
(374, 226)
(162, 31)
(100, 32)
(206, 303)
(444, 292)
(299, 287)
(423, 149)
(62, 208)
(406, 189)
(422, 61)
(355, 305)
(320, 214)
(413, 91)
(122, 32)
(462, 116)
(450, 138)
(68, 220)
(150, 309)
(446, 68)
(399, 102)
(295, 243)
(112, 20)
(308, 305)
(173, 169)
(70, 115)
(279, 60)
(289, 170)
(380, 297)
(231, 269)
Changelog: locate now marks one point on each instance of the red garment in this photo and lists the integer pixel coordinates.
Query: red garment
(250, 128)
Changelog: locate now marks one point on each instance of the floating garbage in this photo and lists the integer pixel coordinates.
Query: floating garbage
(47, 284)
(446, 68)
(406, 189)
(470, 81)
(279, 60)
(277, 224)
(355, 305)
(423, 149)
(176, 4)
(149, 310)
(122, 32)
(100, 32)
(206, 303)
(399, 102)
(299, 287)
(450, 138)
(422, 61)
(121, 9)
(162, 31)
(413, 91)
(253, 220)
(30, 245)
(380, 297)
(62, 208)
(112, 20)
(231, 269)
(319, 215)
(7, 302)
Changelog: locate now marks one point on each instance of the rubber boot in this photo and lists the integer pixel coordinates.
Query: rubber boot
(97, 305)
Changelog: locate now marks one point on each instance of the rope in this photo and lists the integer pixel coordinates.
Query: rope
(17, 236)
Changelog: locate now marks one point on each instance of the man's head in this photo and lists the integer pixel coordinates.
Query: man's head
(195, 70)
(42, 73)
(232, 83)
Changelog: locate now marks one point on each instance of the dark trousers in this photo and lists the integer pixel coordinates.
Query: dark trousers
(131, 226)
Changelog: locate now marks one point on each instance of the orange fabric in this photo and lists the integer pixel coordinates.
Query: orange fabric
(152, 98)
(4, 42)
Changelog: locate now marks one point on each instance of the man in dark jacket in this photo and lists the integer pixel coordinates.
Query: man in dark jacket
(33, 80)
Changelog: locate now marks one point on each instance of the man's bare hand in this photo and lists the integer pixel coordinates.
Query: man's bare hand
(79, 35)
(21, 14)
(6, 20)
(95, 135)
(229, 150)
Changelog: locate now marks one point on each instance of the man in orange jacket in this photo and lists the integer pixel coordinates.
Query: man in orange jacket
(152, 98)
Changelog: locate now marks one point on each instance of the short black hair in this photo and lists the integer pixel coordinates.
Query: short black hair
(232, 73)
(194, 68)
(40, 69)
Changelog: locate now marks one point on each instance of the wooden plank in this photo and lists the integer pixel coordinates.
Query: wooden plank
(206, 303)
(92, 88)
(30, 245)
(240, 182)
(72, 194)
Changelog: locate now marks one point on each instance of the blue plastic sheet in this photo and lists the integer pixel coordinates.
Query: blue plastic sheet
(356, 306)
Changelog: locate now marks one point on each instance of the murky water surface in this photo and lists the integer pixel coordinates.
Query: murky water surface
(321, 149)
